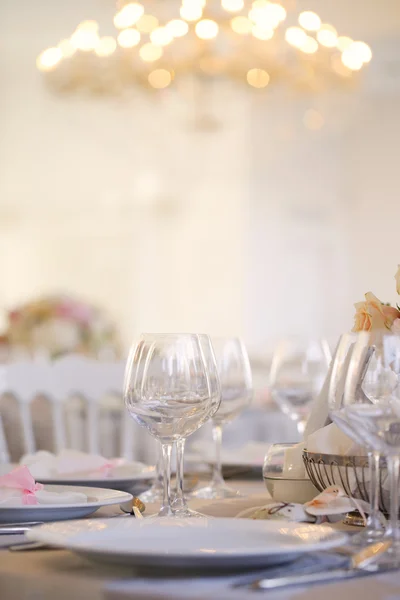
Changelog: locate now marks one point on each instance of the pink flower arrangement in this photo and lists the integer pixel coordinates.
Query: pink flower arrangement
(373, 315)
(59, 325)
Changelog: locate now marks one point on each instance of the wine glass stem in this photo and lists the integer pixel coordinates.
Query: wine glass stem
(159, 468)
(393, 529)
(180, 452)
(373, 522)
(166, 509)
(217, 478)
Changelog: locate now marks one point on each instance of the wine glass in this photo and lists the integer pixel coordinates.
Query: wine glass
(299, 367)
(179, 504)
(167, 390)
(375, 413)
(236, 392)
(337, 411)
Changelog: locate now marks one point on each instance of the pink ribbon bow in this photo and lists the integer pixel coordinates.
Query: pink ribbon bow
(21, 479)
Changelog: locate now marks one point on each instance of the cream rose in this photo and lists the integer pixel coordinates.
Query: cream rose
(372, 314)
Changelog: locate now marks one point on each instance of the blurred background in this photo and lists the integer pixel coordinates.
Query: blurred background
(220, 204)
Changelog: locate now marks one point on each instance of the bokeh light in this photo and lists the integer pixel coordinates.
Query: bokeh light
(327, 36)
(177, 28)
(207, 29)
(161, 36)
(257, 78)
(106, 46)
(147, 23)
(128, 38)
(159, 78)
(295, 36)
(150, 53)
(232, 5)
(128, 15)
(49, 59)
(309, 20)
(241, 25)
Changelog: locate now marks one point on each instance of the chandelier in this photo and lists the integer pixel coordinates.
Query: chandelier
(159, 42)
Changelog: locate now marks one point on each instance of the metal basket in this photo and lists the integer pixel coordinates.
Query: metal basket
(349, 472)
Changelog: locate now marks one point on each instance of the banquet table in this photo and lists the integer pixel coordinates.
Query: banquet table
(53, 574)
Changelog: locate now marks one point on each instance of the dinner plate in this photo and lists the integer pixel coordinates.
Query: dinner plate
(124, 478)
(97, 498)
(189, 543)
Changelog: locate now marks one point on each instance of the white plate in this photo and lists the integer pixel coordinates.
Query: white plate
(97, 498)
(189, 543)
(125, 478)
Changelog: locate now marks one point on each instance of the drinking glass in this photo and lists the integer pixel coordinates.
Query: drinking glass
(337, 411)
(167, 390)
(299, 367)
(375, 413)
(179, 504)
(236, 392)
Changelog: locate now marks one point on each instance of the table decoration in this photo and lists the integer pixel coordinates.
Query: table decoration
(59, 324)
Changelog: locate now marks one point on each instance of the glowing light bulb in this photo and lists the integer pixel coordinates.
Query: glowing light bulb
(85, 39)
(129, 38)
(309, 20)
(232, 5)
(295, 37)
(128, 15)
(362, 50)
(161, 36)
(191, 12)
(49, 59)
(150, 53)
(327, 36)
(241, 25)
(106, 46)
(66, 48)
(351, 60)
(343, 42)
(262, 34)
(160, 78)
(177, 28)
(310, 45)
(147, 23)
(257, 78)
(206, 29)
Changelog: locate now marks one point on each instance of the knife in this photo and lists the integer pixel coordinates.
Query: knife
(17, 528)
(358, 564)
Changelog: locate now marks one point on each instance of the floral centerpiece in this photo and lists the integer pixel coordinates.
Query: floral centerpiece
(59, 325)
(373, 314)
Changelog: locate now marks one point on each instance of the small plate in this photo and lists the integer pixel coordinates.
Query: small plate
(187, 544)
(124, 478)
(97, 498)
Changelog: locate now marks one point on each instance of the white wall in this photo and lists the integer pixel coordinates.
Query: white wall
(258, 227)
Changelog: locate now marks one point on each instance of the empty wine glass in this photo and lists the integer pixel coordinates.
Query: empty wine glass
(167, 390)
(179, 504)
(337, 411)
(375, 413)
(236, 392)
(298, 371)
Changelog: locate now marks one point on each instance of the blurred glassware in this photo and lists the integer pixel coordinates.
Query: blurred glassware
(299, 367)
(167, 390)
(283, 483)
(236, 393)
(179, 503)
(155, 492)
(375, 413)
(337, 412)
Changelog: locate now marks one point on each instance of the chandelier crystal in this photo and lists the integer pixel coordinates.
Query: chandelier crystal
(156, 43)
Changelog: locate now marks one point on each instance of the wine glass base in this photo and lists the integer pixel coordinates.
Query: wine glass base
(368, 536)
(152, 495)
(211, 492)
(188, 513)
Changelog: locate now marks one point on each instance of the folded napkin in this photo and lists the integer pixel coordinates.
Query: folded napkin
(44, 465)
(19, 488)
(332, 440)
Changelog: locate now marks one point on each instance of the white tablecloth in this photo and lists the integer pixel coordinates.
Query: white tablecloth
(61, 575)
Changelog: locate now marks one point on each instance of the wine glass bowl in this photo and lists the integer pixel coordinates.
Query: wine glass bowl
(298, 370)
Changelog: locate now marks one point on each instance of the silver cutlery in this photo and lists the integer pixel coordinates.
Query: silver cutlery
(18, 528)
(357, 565)
(134, 507)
